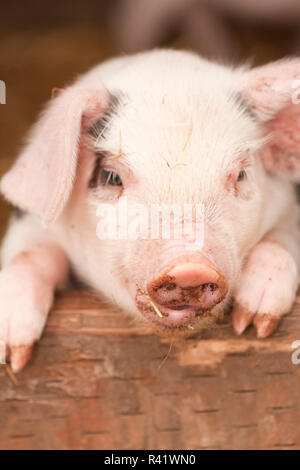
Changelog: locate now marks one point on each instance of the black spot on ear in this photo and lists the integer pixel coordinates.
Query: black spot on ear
(102, 125)
(242, 102)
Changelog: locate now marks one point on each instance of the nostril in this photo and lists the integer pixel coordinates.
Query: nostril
(210, 286)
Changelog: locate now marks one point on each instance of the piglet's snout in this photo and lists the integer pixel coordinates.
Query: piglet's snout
(197, 285)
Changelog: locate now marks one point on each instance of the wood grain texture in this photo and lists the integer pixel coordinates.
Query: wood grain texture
(97, 381)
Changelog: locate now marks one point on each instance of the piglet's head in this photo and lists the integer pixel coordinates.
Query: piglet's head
(203, 135)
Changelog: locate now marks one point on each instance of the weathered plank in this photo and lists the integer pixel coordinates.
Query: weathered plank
(98, 381)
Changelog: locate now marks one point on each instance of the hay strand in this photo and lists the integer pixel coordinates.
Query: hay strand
(155, 308)
(168, 353)
(11, 375)
(188, 137)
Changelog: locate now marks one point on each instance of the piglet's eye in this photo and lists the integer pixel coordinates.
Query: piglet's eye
(241, 176)
(110, 177)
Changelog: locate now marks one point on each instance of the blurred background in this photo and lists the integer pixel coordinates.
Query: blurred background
(44, 45)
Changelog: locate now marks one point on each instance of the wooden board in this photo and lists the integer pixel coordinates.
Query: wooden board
(97, 381)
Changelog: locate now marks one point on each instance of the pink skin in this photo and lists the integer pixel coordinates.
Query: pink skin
(32, 276)
(266, 289)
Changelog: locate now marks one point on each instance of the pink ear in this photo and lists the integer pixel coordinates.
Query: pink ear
(272, 93)
(42, 178)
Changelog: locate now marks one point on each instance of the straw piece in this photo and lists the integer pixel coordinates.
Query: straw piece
(11, 375)
(177, 164)
(168, 353)
(155, 308)
(120, 154)
(188, 137)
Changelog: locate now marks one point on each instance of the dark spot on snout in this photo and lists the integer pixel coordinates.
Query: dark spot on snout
(212, 287)
(166, 285)
(171, 286)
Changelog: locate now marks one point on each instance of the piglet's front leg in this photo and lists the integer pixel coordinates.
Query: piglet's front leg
(267, 288)
(27, 286)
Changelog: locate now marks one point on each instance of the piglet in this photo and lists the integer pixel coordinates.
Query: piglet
(162, 127)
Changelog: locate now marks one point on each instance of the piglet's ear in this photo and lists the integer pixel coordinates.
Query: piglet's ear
(273, 92)
(41, 180)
